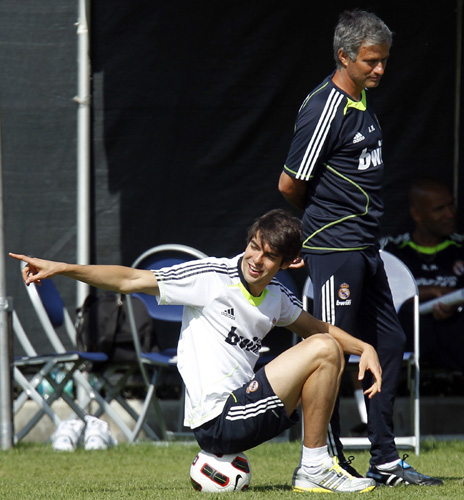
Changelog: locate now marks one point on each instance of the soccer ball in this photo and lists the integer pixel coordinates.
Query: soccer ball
(214, 473)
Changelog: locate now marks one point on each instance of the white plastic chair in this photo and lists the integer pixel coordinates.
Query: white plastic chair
(403, 287)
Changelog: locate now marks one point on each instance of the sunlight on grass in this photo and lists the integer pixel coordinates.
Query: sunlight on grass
(149, 471)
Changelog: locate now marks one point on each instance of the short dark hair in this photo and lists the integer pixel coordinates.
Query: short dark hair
(281, 230)
(424, 185)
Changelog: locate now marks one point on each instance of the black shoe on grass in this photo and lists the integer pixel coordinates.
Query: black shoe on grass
(403, 473)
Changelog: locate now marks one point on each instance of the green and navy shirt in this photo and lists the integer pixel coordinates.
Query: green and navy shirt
(430, 266)
(223, 326)
(337, 149)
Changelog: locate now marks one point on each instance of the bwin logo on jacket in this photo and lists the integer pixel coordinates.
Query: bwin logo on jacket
(370, 158)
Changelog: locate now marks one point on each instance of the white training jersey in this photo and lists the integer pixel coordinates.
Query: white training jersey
(223, 326)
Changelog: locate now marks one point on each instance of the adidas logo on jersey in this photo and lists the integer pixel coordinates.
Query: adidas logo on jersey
(229, 313)
(358, 138)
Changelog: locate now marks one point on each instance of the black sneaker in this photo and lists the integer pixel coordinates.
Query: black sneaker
(403, 473)
(346, 464)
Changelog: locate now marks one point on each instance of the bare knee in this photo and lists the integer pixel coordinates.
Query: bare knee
(325, 348)
(317, 356)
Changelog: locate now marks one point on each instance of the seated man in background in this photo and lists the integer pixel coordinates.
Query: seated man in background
(434, 253)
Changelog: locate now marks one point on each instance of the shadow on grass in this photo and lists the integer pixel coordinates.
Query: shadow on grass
(271, 487)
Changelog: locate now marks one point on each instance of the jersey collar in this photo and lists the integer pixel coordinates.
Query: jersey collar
(359, 105)
(430, 250)
(245, 288)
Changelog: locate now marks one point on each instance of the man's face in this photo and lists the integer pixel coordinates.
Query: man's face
(435, 213)
(369, 66)
(260, 264)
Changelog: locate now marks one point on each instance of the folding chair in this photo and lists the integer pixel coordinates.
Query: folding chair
(156, 258)
(403, 287)
(44, 367)
(52, 314)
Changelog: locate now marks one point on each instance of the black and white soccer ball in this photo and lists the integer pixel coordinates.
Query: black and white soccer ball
(214, 473)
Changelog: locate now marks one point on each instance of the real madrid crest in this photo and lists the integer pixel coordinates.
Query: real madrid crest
(252, 387)
(344, 291)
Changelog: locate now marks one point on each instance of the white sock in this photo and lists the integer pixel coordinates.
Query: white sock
(312, 458)
(389, 465)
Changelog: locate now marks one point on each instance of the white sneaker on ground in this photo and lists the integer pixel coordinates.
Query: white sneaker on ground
(67, 435)
(97, 434)
(332, 478)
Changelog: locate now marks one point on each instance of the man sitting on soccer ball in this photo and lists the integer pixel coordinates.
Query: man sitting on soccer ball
(230, 306)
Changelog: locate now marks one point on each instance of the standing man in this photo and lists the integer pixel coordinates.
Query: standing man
(334, 173)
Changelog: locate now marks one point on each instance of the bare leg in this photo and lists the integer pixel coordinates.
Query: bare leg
(309, 372)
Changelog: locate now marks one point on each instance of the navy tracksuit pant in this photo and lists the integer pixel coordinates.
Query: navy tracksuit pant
(351, 291)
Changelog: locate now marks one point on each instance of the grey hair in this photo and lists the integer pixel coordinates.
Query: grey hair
(355, 28)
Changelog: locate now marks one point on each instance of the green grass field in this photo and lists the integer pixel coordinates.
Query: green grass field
(150, 471)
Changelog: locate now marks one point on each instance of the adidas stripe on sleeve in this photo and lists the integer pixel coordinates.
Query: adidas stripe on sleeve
(337, 149)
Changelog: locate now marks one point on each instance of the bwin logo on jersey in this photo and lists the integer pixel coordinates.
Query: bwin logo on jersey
(370, 158)
(234, 338)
